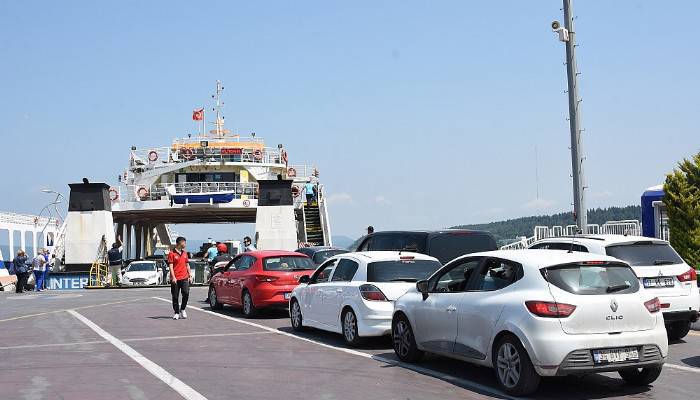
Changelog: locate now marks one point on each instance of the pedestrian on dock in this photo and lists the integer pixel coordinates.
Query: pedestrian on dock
(212, 251)
(38, 264)
(47, 268)
(248, 244)
(114, 255)
(179, 277)
(19, 263)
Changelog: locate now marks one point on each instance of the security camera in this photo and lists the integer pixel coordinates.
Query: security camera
(555, 25)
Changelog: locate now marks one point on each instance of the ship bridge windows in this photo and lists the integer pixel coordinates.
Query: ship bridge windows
(208, 177)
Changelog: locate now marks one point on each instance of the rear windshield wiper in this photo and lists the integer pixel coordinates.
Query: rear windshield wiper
(403, 280)
(617, 288)
(300, 269)
(663, 262)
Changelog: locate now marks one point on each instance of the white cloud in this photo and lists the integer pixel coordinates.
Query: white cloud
(382, 201)
(339, 198)
(539, 204)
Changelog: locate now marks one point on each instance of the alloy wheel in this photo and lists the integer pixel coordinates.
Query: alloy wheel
(296, 315)
(508, 365)
(246, 303)
(402, 338)
(349, 326)
(212, 297)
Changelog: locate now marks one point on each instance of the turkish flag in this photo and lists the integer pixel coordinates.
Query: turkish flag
(198, 115)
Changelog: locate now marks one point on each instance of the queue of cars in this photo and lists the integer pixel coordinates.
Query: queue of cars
(527, 314)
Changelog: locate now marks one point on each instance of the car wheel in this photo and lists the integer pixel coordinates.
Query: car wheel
(213, 301)
(640, 376)
(296, 317)
(404, 341)
(349, 322)
(677, 330)
(515, 373)
(249, 309)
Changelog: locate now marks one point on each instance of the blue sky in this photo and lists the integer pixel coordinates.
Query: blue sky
(418, 114)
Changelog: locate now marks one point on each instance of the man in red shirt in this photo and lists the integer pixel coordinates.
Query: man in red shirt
(179, 277)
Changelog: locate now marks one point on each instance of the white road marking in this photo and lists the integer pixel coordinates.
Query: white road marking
(75, 308)
(415, 368)
(179, 386)
(32, 346)
(682, 368)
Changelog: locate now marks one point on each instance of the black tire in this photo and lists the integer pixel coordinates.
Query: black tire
(296, 317)
(404, 341)
(640, 376)
(247, 306)
(213, 299)
(348, 323)
(514, 370)
(677, 330)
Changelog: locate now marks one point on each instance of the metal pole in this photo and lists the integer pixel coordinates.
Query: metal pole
(574, 122)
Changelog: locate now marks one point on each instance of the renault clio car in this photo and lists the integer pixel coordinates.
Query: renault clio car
(659, 268)
(535, 313)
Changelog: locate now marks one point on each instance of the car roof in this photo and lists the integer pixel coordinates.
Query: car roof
(606, 239)
(320, 248)
(436, 231)
(542, 257)
(273, 253)
(374, 256)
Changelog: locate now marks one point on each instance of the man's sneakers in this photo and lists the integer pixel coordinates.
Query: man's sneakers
(176, 316)
(183, 314)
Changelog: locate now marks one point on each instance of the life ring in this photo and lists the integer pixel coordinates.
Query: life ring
(257, 154)
(187, 154)
(142, 193)
(296, 191)
(152, 156)
(113, 194)
(284, 157)
(291, 172)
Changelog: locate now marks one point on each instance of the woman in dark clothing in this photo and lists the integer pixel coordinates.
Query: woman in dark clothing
(21, 270)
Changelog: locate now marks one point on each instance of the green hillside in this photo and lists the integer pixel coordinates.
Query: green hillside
(506, 231)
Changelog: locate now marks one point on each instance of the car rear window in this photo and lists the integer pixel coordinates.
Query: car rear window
(287, 263)
(448, 246)
(645, 253)
(401, 270)
(587, 279)
(322, 256)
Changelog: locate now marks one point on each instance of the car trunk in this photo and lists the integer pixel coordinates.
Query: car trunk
(394, 290)
(597, 309)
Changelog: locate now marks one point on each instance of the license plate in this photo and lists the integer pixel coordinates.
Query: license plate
(660, 282)
(287, 296)
(615, 355)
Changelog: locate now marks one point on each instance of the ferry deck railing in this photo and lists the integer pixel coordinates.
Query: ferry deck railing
(626, 227)
(131, 193)
(151, 157)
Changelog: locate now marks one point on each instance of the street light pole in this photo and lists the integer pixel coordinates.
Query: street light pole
(56, 201)
(580, 211)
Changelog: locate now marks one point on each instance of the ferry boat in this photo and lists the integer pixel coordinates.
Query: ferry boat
(210, 177)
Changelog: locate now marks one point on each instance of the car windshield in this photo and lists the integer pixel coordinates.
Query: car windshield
(287, 263)
(586, 279)
(142, 267)
(401, 270)
(323, 255)
(448, 246)
(645, 253)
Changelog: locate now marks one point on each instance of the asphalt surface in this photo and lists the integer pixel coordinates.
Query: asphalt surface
(123, 344)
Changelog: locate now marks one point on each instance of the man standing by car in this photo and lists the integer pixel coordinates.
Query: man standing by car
(115, 262)
(178, 261)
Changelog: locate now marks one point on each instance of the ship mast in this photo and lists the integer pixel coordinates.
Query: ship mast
(219, 122)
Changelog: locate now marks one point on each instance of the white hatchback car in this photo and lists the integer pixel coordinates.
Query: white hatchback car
(534, 313)
(659, 268)
(354, 293)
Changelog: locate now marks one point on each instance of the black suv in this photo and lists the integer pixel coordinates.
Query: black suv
(445, 245)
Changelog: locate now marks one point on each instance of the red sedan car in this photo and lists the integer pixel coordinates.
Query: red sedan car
(258, 279)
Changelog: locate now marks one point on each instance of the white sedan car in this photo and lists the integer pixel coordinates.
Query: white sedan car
(140, 273)
(353, 293)
(534, 313)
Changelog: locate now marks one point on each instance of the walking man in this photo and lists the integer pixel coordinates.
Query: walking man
(38, 267)
(179, 277)
(19, 263)
(47, 268)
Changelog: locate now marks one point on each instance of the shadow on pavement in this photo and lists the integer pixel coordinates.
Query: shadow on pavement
(692, 361)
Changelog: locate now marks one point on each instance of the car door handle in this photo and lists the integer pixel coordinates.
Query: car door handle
(451, 309)
(339, 290)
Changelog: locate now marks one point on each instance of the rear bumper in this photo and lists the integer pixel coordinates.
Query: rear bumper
(676, 316)
(267, 295)
(580, 362)
(374, 318)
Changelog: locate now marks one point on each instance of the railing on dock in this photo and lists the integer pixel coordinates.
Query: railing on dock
(626, 227)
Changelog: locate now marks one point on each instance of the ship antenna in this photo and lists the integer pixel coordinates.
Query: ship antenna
(219, 123)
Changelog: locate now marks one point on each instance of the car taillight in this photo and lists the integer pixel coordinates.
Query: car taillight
(688, 276)
(260, 278)
(549, 309)
(372, 293)
(653, 305)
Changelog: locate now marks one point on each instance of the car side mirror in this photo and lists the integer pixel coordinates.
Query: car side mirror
(304, 279)
(422, 287)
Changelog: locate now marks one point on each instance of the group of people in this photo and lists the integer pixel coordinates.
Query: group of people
(41, 265)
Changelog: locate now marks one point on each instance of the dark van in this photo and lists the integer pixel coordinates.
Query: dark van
(445, 245)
